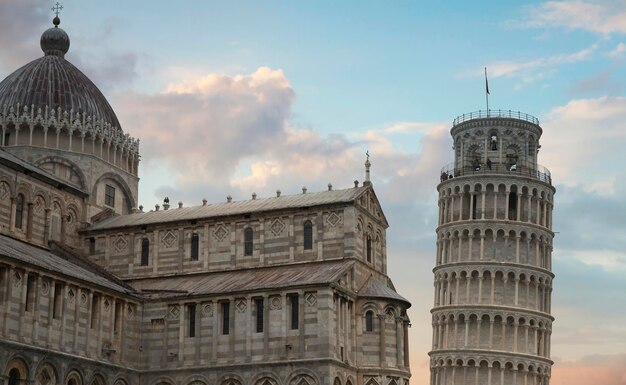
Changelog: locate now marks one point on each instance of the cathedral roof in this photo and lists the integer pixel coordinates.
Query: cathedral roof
(54, 85)
(63, 265)
(243, 280)
(373, 288)
(232, 208)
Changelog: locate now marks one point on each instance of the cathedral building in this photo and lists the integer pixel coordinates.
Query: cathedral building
(493, 275)
(285, 290)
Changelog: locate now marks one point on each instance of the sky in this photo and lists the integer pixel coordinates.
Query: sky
(235, 97)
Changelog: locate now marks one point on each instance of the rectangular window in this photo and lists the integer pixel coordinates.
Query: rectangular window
(225, 318)
(95, 311)
(192, 319)
(258, 304)
(30, 293)
(195, 247)
(117, 316)
(109, 195)
(57, 300)
(248, 241)
(7, 137)
(294, 303)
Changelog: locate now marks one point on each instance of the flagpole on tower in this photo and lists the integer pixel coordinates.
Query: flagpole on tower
(487, 91)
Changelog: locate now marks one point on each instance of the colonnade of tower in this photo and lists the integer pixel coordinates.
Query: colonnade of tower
(493, 280)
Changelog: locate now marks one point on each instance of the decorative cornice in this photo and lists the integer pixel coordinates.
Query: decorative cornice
(71, 121)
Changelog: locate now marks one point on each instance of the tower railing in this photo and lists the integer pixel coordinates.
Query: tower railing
(540, 173)
(481, 114)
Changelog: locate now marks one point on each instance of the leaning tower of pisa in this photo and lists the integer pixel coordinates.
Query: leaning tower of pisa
(493, 279)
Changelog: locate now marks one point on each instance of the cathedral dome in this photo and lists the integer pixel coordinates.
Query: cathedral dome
(53, 83)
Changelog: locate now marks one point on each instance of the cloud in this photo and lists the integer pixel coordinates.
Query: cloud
(619, 50)
(20, 44)
(236, 132)
(584, 141)
(603, 82)
(22, 23)
(530, 71)
(601, 17)
(596, 369)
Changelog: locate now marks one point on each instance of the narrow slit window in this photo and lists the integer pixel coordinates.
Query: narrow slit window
(117, 317)
(225, 318)
(195, 247)
(57, 300)
(294, 304)
(192, 319)
(369, 248)
(308, 235)
(248, 244)
(95, 311)
(30, 293)
(258, 304)
(19, 211)
(145, 252)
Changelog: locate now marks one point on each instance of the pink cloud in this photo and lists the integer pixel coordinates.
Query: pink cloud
(603, 17)
(584, 141)
(602, 369)
(235, 132)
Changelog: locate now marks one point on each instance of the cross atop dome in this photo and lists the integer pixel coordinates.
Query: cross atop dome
(57, 9)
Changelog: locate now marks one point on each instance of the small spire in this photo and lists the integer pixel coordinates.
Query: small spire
(367, 181)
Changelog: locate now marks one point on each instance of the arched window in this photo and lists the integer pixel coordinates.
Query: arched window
(19, 211)
(513, 205)
(14, 377)
(493, 138)
(308, 235)
(248, 244)
(369, 248)
(369, 321)
(145, 252)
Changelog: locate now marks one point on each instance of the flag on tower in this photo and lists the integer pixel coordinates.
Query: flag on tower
(486, 82)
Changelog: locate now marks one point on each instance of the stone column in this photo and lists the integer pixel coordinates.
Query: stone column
(406, 342)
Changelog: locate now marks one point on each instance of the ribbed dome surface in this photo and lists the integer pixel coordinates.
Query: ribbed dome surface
(54, 82)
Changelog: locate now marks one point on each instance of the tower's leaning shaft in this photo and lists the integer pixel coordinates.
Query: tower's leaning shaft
(493, 280)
